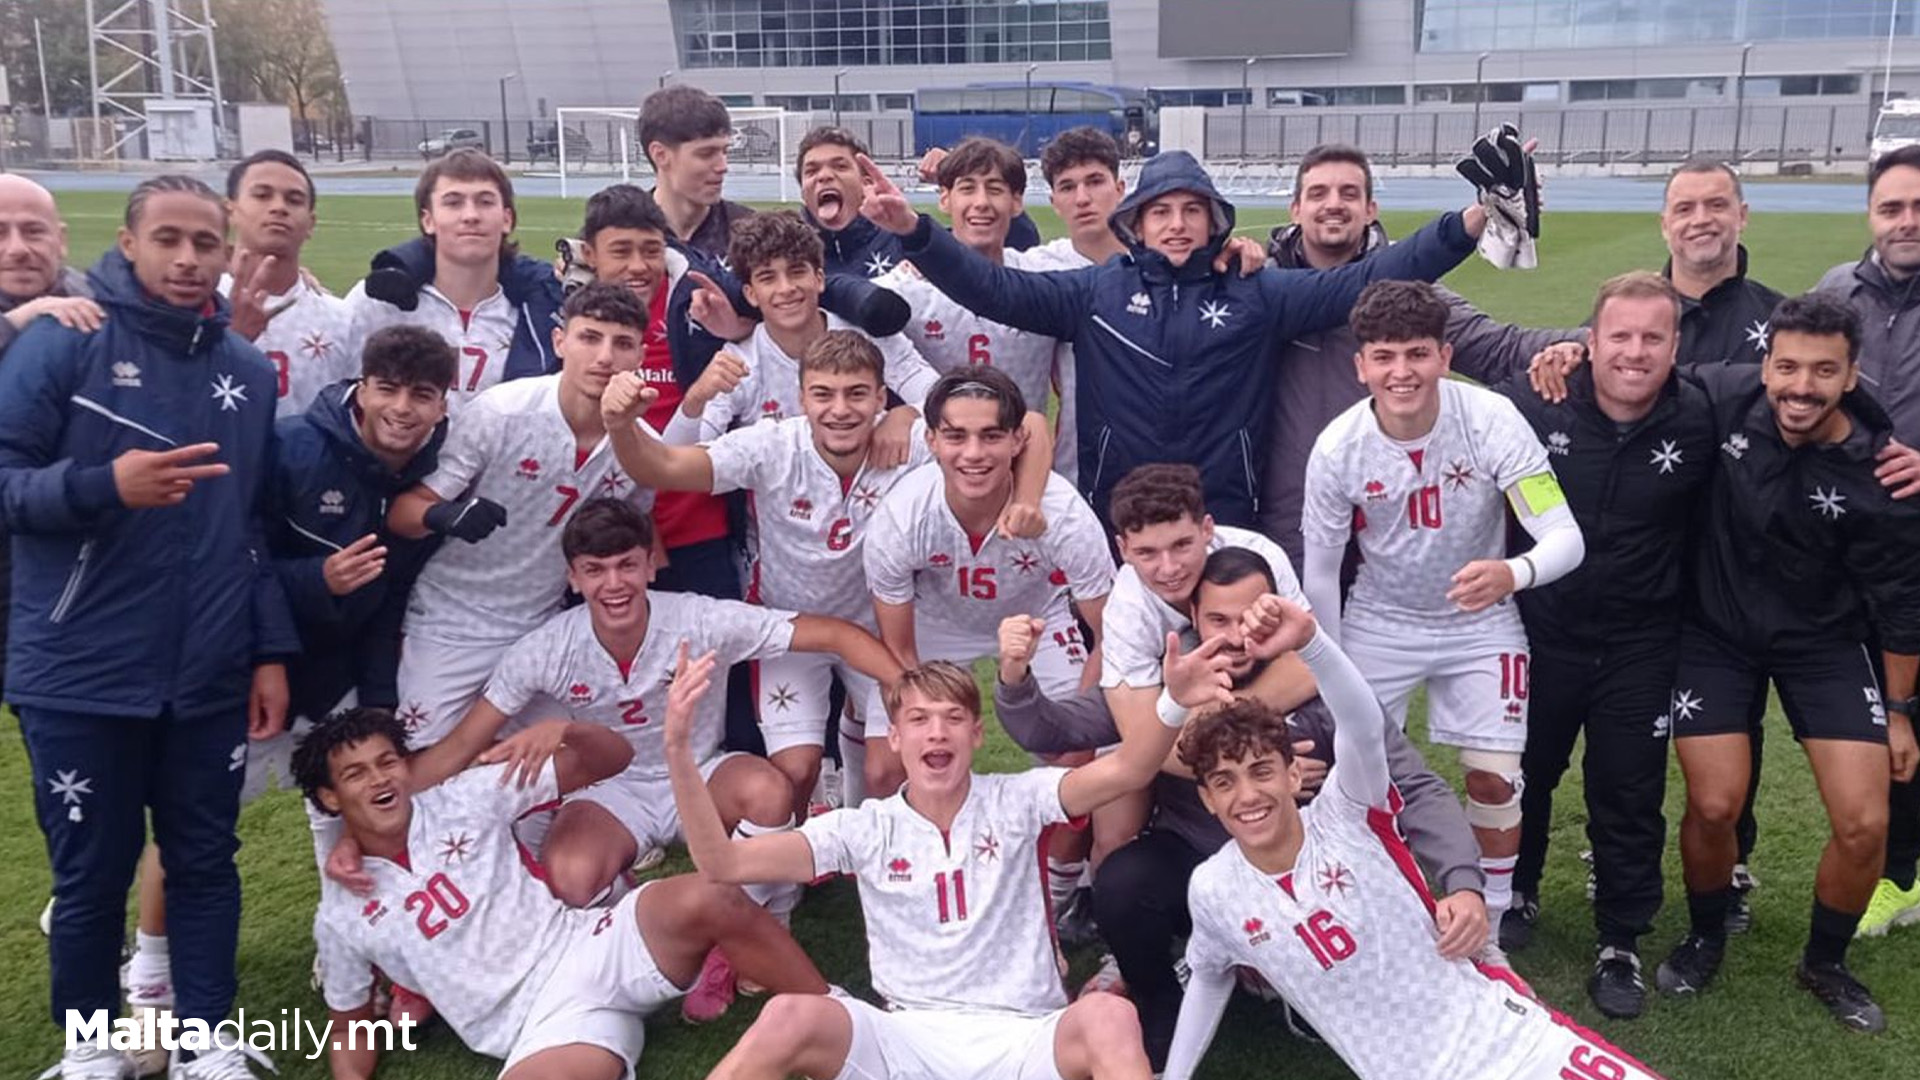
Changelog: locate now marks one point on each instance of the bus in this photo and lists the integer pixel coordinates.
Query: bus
(1027, 117)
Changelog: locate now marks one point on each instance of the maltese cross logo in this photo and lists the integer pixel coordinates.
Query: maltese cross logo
(613, 484)
(878, 264)
(1215, 315)
(70, 786)
(987, 846)
(455, 848)
(1685, 704)
(1666, 457)
(413, 716)
(1336, 878)
(866, 497)
(1757, 335)
(228, 393)
(1826, 503)
(1026, 562)
(1458, 475)
(316, 346)
(782, 697)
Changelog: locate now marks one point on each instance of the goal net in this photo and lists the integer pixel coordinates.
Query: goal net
(596, 145)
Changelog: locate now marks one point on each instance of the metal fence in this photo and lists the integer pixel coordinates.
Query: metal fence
(1780, 135)
(1771, 134)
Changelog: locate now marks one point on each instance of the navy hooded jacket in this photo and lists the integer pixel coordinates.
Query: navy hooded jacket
(328, 491)
(1172, 362)
(123, 612)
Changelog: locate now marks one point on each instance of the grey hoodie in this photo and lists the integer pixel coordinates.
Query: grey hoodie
(1889, 337)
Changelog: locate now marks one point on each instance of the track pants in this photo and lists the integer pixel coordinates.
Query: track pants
(1620, 695)
(94, 780)
(1140, 904)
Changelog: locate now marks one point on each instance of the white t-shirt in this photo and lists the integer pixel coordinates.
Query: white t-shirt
(771, 390)
(1347, 936)
(464, 923)
(1059, 255)
(951, 336)
(482, 340)
(564, 662)
(1421, 510)
(309, 342)
(918, 552)
(510, 444)
(956, 920)
(1135, 623)
(810, 527)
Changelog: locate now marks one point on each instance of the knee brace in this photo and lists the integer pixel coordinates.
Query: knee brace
(1505, 765)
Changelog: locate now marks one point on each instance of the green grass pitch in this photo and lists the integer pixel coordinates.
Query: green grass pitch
(1754, 1024)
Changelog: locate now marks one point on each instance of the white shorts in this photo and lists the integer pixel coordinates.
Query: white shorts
(793, 694)
(1570, 1052)
(1059, 662)
(643, 804)
(927, 1044)
(1476, 682)
(439, 681)
(601, 990)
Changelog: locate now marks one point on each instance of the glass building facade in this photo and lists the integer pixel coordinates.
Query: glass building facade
(1507, 25)
(875, 33)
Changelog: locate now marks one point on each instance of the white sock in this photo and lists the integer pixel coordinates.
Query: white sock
(1062, 879)
(853, 768)
(779, 898)
(1499, 890)
(150, 960)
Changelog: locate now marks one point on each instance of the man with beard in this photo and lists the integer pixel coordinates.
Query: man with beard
(1802, 557)
(1336, 222)
(1880, 289)
(1140, 892)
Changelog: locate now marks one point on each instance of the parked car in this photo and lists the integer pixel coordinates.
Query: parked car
(547, 145)
(449, 140)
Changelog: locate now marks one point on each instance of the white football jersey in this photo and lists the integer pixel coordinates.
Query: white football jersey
(1347, 937)
(1059, 255)
(1135, 623)
(482, 339)
(463, 923)
(1420, 510)
(566, 663)
(955, 920)
(810, 527)
(309, 342)
(512, 445)
(771, 390)
(964, 586)
(951, 336)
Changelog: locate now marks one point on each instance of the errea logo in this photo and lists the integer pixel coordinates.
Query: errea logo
(899, 870)
(1257, 932)
(935, 331)
(333, 502)
(1558, 442)
(1139, 304)
(126, 373)
(1735, 446)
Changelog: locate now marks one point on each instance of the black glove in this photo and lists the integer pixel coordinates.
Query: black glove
(472, 520)
(1498, 166)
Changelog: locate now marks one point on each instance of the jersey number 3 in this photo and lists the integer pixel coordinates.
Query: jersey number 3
(438, 905)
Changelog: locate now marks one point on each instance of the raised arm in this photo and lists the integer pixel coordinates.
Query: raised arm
(1036, 723)
(649, 461)
(767, 859)
(1052, 303)
(861, 650)
(1359, 724)
(1304, 301)
(1192, 680)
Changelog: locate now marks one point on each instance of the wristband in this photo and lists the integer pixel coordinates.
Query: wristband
(1904, 706)
(1533, 573)
(1172, 713)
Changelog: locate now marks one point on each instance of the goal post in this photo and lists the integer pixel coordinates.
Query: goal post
(598, 141)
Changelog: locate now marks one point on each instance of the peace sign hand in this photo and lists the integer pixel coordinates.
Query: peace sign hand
(884, 205)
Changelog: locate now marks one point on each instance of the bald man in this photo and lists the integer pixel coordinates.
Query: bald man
(34, 277)
(34, 281)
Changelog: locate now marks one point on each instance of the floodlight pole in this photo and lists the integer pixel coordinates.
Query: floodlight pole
(1246, 96)
(1030, 140)
(1479, 90)
(664, 76)
(1740, 102)
(837, 76)
(506, 138)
